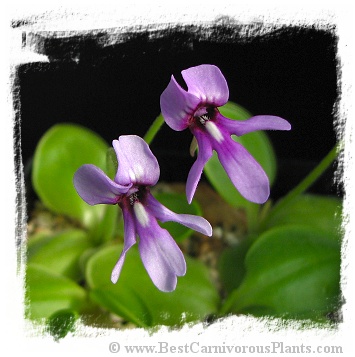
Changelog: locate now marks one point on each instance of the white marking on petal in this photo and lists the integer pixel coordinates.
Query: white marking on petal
(132, 175)
(203, 98)
(183, 114)
(141, 214)
(136, 174)
(139, 172)
(214, 131)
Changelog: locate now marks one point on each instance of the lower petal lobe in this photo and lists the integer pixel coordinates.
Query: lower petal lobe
(161, 256)
(245, 172)
(163, 214)
(258, 122)
(129, 241)
(204, 154)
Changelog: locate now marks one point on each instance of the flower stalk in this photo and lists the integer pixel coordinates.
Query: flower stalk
(153, 129)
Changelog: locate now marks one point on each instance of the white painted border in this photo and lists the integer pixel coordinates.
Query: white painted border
(81, 16)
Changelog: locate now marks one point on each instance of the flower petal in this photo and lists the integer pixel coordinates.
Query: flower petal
(136, 162)
(177, 105)
(164, 214)
(258, 122)
(245, 172)
(161, 256)
(129, 241)
(95, 187)
(207, 83)
(204, 154)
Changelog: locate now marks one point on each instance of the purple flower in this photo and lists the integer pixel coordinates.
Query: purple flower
(197, 109)
(138, 169)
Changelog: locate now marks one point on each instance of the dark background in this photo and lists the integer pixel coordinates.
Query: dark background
(111, 83)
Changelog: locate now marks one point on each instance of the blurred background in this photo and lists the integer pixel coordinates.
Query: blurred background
(111, 81)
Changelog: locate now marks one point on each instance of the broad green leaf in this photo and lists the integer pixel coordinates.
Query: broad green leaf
(231, 266)
(61, 323)
(257, 143)
(60, 252)
(59, 153)
(47, 293)
(85, 256)
(135, 298)
(36, 242)
(106, 228)
(320, 212)
(177, 203)
(292, 271)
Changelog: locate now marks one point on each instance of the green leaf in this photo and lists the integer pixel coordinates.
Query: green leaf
(36, 242)
(292, 271)
(59, 153)
(135, 298)
(231, 266)
(259, 146)
(60, 252)
(106, 228)
(111, 163)
(320, 212)
(47, 293)
(177, 203)
(61, 323)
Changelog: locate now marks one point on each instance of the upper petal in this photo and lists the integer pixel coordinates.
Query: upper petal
(204, 154)
(164, 214)
(258, 122)
(136, 162)
(177, 105)
(95, 187)
(129, 240)
(161, 256)
(207, 83)
(245, 172)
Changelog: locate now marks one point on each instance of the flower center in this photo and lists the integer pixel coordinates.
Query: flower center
(204, 117)
(133, 198)
(139, 210)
